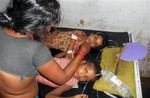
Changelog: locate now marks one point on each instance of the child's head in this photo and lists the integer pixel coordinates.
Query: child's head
(97, 40)
(88, 71)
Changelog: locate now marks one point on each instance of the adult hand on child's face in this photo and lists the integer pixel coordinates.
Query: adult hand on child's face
(85, 47)
(80, 96)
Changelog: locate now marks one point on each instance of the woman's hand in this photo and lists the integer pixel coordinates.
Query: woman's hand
(80, 96)
(85, 47)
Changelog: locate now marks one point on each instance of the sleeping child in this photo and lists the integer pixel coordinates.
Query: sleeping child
(85, 72)
(70, 41)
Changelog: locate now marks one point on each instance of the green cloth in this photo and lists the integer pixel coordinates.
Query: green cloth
(125, 71)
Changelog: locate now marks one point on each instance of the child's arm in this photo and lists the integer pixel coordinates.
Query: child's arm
(70, 49)
(77, 34)
(59, 90)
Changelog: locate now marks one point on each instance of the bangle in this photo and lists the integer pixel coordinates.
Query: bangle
(70, 52)
(73, 37)
(81, 53)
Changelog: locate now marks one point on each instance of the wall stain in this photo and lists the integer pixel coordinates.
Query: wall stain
(82, 22)
(145, 62)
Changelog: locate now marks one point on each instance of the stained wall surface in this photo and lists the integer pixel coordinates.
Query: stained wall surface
(132, 16)
(3, 4)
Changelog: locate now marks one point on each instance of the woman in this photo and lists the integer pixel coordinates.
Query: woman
(21, 57)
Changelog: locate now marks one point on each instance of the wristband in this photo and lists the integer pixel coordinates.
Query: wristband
(69, 52)
(73, 37)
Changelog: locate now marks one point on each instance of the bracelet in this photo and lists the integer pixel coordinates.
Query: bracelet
(73, 37)
(81, 53)
(70, 52)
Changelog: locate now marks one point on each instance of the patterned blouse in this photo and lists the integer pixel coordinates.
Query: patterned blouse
(60, 40)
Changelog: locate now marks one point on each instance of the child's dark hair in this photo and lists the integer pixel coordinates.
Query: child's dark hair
(97, 68)
(105, 42)
(26, 16)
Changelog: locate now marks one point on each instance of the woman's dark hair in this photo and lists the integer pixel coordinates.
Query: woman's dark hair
(26, 16)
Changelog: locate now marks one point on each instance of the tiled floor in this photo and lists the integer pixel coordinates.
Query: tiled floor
(145, 82)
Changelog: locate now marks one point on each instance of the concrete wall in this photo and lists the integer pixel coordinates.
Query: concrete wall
(3, 4)
(109, 15)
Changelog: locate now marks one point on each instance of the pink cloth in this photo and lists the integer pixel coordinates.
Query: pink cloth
(63, 62)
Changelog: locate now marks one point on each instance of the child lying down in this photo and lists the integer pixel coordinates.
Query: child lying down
(87, 71)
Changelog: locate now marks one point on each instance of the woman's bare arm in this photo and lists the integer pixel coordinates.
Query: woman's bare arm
(55, 73)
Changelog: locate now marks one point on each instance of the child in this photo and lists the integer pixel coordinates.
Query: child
(85, 72)
(70, 41)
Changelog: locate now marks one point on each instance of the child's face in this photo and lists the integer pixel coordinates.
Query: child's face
(85, 72)
(95, 40)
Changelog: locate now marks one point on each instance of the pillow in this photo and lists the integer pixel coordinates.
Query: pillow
(125, 71)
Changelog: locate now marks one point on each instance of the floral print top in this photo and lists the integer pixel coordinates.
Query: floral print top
(60, 40)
